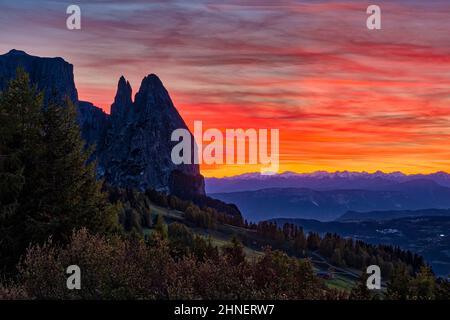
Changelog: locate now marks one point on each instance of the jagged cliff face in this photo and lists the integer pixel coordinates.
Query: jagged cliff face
(53, 76)
(133, 144)
(93, 122)
(137, 147)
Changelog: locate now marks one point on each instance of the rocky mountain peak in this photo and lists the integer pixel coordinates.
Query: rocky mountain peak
(17, 53)
(122, 101)
(137, 151)
(152, 94)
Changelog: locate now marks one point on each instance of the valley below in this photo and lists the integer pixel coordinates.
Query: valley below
(410, 212)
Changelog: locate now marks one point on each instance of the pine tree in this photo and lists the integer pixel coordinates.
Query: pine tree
(20, 134)
(336, 258)
(299, 245)
(313, 241)
(48, 187)
(64, 193)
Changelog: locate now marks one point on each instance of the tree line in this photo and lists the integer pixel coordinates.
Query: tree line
(341, 252)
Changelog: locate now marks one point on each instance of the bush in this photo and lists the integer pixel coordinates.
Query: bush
(115, 268)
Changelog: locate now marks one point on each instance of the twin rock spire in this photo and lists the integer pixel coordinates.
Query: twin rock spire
(151, 94)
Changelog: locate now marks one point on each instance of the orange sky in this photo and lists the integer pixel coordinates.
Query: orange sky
(343, 97)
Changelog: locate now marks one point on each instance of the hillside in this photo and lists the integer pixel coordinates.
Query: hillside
(343, 278)
(283, 236)
(427, 235)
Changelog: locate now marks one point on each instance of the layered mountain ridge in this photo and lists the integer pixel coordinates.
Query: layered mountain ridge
(133, 143)
(327, 205)
(322, 180)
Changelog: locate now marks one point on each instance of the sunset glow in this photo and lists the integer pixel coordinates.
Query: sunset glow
(344, 97)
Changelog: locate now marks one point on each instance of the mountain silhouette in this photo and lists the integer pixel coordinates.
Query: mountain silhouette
(132, 144)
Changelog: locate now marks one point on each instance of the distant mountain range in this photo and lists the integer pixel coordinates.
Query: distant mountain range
(327, 205)
(133, 143)
(320, 180)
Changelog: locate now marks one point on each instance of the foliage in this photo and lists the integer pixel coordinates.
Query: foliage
(47, 185)
(360, 291)
(161, 227)
(339, 251)
(117, 268)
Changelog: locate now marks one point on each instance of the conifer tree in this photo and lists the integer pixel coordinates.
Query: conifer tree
(20, 144)
(48, 187)
(64, 189)
(299, 245)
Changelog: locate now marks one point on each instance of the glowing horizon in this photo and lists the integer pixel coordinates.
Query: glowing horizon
(344, 98)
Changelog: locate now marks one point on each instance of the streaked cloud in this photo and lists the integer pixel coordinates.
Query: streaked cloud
(344, 97)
